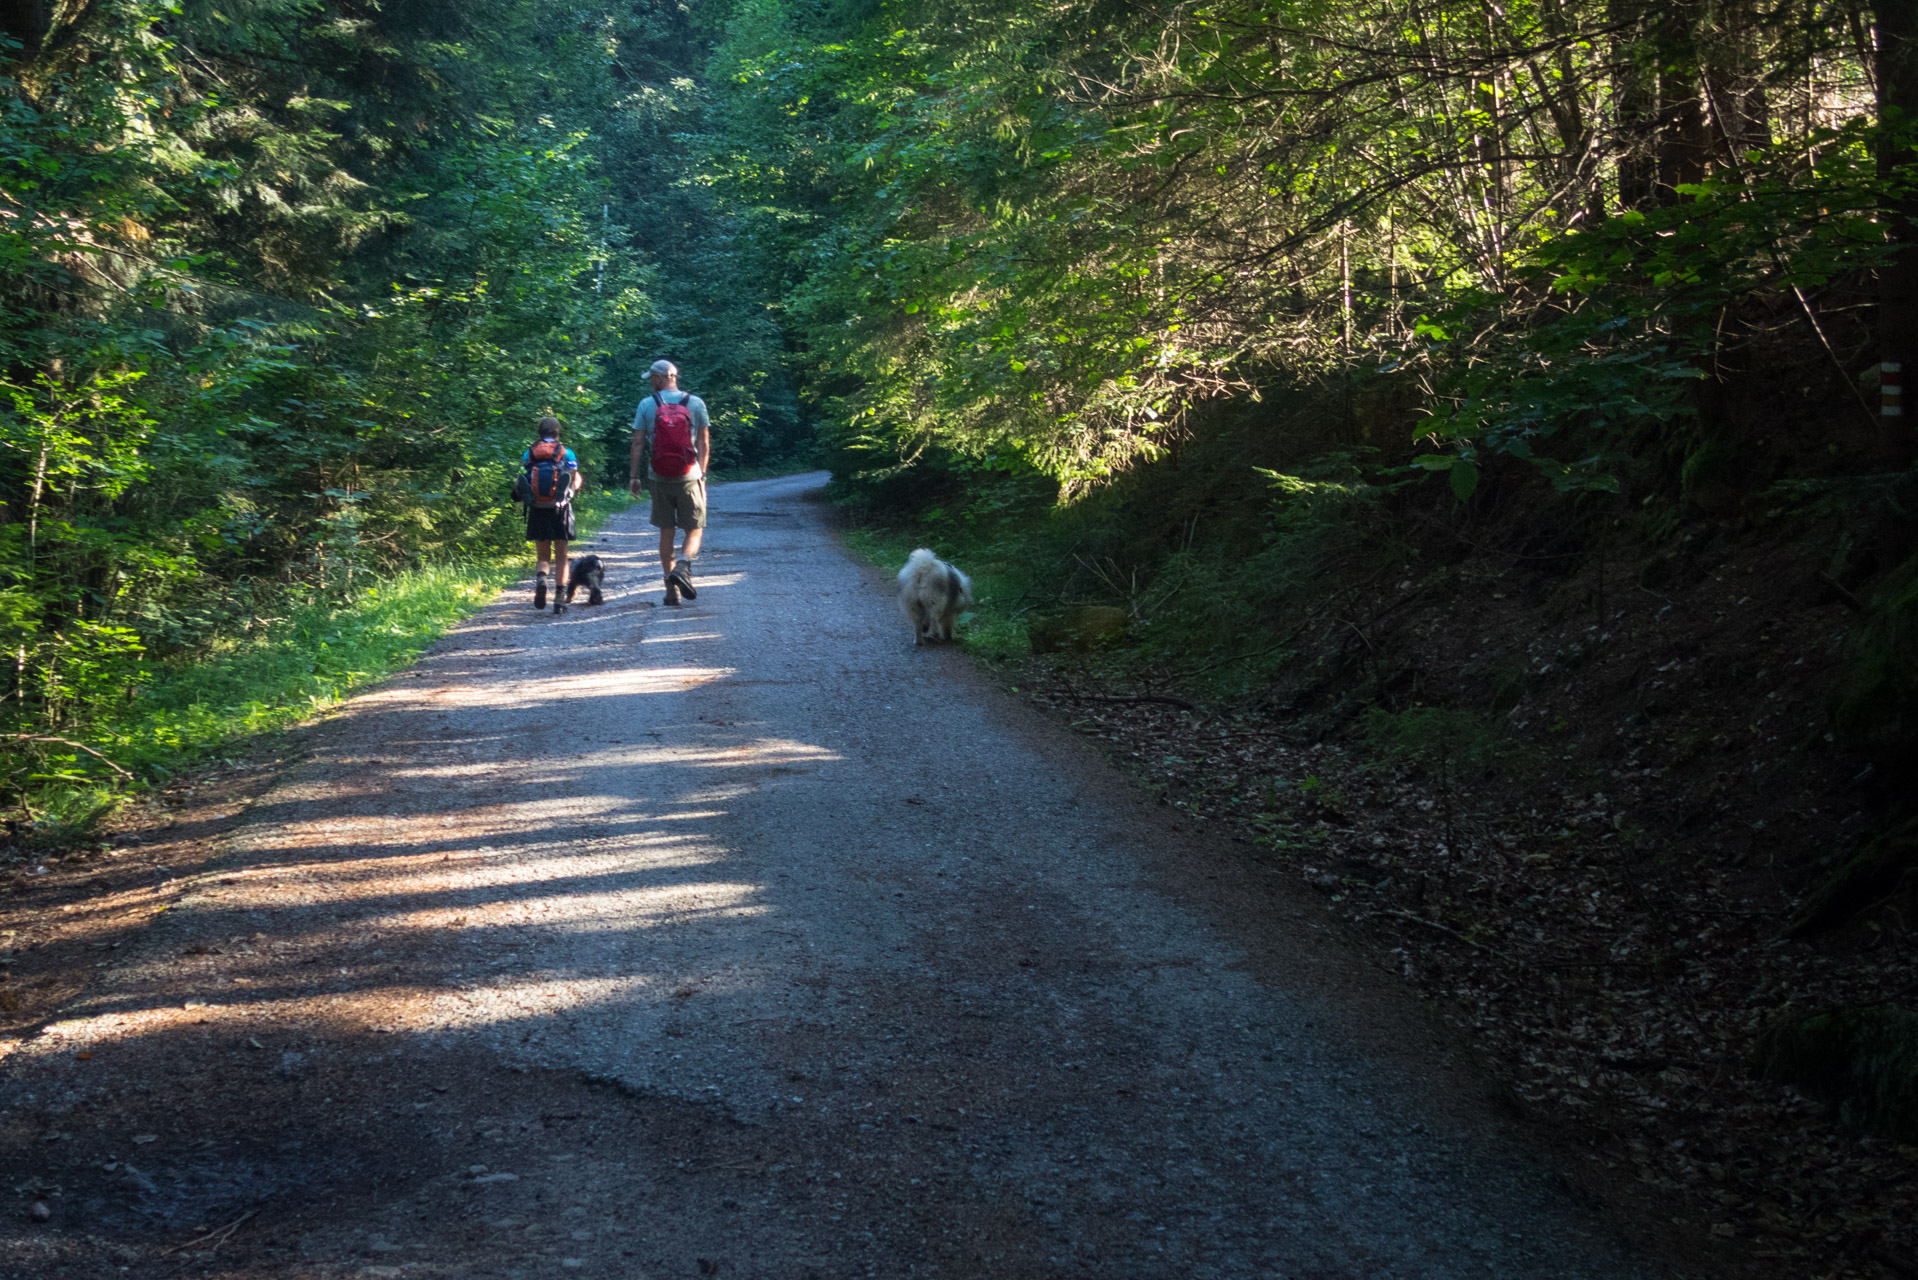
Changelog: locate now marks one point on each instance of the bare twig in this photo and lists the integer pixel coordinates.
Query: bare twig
(1203, 667)
(66, 742)
(1811, 318)
(1852, 602)
(1180, 703)
(1370, 648)
(1442, 928)
(219, 1236)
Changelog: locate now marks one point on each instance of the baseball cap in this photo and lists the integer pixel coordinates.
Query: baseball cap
(664, 368)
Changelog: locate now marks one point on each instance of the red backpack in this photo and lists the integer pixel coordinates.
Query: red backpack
(673, 451)
(547, 480)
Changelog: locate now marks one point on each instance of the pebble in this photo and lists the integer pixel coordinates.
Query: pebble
(39, 1211)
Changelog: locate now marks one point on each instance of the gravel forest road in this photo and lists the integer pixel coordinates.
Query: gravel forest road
(745, 939)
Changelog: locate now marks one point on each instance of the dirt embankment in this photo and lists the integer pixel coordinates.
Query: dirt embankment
(1597, 882)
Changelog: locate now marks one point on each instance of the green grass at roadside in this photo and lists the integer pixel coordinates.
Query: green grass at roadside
(1209, 608)
(192, 711)
(995, 628)
(1212, 584)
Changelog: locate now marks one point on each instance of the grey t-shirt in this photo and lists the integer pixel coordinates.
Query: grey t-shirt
(643, 416)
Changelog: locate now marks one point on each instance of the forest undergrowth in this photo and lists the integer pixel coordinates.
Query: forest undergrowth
(1586, 796)
(266, 677)
(286, 287)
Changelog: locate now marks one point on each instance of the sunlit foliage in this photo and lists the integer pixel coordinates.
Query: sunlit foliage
(1042, 235)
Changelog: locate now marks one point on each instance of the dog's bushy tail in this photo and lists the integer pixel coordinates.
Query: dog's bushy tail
(914, 563)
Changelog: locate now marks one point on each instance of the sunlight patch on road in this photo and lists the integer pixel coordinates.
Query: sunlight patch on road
(537, 995)
(729, 579)
(600, 911)
(491, 868)
(632, 680)
(505, 695)
(760, 751)
(218, 1000)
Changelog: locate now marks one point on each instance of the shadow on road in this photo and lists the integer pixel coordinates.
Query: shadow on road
(740, 936)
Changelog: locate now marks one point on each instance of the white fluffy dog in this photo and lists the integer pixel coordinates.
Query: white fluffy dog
(932, 593)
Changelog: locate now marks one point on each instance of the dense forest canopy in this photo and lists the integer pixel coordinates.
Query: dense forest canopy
(287, 285)
(287, 279)
(1050, 233)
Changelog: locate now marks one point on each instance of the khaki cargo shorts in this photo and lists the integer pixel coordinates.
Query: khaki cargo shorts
(679, 503)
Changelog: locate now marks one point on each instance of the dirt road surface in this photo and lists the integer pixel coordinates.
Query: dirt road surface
(744, 939)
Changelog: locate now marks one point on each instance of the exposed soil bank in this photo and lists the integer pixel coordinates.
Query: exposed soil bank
(1582, 806)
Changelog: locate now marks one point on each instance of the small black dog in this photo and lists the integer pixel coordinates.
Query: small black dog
(586, 572)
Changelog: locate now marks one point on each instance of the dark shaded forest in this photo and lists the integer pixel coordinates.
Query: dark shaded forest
(1455, 448)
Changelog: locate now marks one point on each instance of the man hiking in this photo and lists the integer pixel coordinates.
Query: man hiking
(672, 433)
(550, 479)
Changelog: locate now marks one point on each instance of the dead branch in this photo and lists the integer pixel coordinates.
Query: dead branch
(67, 742)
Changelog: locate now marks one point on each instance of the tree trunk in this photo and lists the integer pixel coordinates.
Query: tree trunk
(1577, 170)
(1734, 85)
(33, 501)
(27, 22)
(1635, 105)
(1684, 139)
(1897, 30)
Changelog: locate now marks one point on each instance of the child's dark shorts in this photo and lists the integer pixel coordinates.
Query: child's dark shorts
(550, 524)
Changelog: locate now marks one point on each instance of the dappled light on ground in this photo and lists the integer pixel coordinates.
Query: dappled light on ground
(547, 689)
(792, 951)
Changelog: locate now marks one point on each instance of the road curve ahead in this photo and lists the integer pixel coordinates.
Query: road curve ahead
(744, 939)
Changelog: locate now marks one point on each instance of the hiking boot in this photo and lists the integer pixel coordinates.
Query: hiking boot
(683, 574)
(672, 590)
(539, 592)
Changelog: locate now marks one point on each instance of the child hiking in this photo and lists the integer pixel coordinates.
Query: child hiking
(672, 432)
(549, 479)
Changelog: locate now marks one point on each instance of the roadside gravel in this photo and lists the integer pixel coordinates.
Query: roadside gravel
(747, 939)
